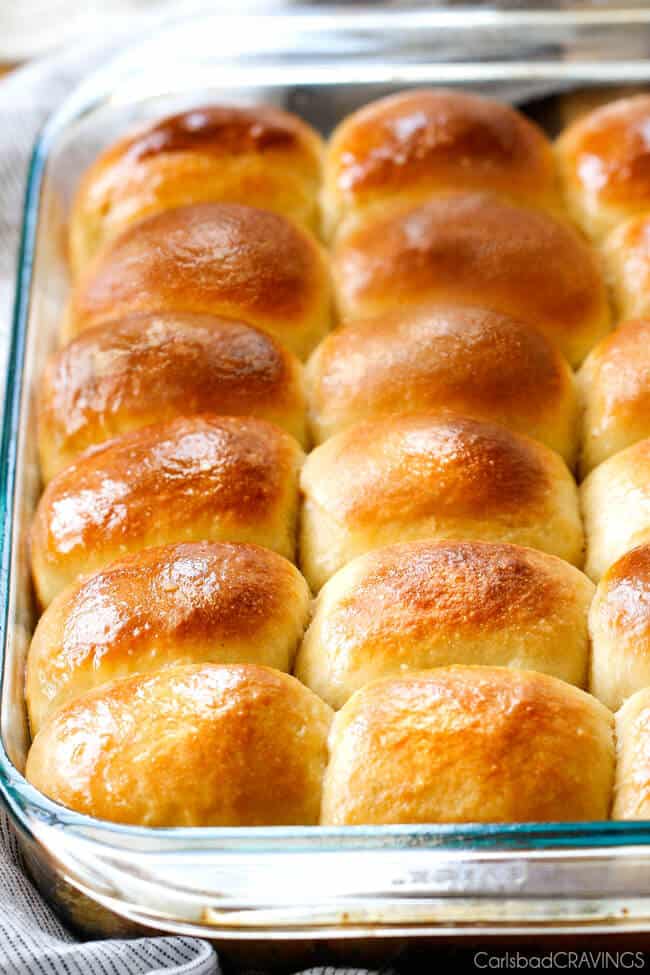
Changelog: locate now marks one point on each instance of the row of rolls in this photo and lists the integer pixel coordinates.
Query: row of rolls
(310, 546)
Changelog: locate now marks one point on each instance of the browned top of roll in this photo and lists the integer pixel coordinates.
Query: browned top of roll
(627, 587)
(608, 151)
(449, 139)
(216, 258)
(152, 367)
(191, 360)
(475, 248)
(220, 130)
(448, 465)
(619, 368)
(193, 589)
(453, 585)
(181, 471)
(459, 357)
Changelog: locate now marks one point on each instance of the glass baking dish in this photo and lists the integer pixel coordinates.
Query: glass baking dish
(294, 885)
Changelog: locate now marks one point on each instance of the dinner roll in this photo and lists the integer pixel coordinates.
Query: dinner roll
(191, 479)
(472, 360)
(476, 249)
(147, 368)
(195, 602)
(619, 624)
(200, 745)
(632, 785)
(469, 745)
(604, 164)
(257, 155)
(435, 476)
(626, 252)
(614, 385)
(430, 604)
(616, 507)
(213, 259)
(415, 144)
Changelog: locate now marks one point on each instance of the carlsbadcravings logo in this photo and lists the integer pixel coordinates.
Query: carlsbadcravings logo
(562, 960)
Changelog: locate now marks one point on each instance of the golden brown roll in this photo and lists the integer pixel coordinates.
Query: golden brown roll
(195, 602)
(430, 604)
(626, 253)
(212, 259)
(469, 744)
(476, 249)
(471, 360)
(615, 500)
(418, 143)
(259, 155)
(412, 476)
(144, 369)
(632, 785)
(572, 105)
(191, 479)
(200, 745)
(614, 387)
(604, 164)
(619, 624)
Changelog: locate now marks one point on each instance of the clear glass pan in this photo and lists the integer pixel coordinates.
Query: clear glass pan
(293, 884)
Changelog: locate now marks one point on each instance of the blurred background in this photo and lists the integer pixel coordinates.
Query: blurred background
(29, 28)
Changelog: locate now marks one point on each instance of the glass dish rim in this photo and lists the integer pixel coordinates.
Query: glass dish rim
(24, 800)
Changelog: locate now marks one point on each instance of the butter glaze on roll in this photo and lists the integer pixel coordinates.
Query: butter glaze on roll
(413, 476)
(258, 155)
(425, 604)
(202, 745)
(619, 623)
(615, 501)
(626, 253)
(192, 479)
(614, 385)
(604, 162)
(469, 745)
(632, 788)
(476, 249)
(211, 259)
(197, 602)
(144, 369)
(470, 360)
(419, 143)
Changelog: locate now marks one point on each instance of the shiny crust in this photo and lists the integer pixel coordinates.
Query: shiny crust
(215, 153)
(144, 369)
(632, 788)
(197, 602)
(469, 744)
(604, 162)
(470, 360)
(476, 249)
(195, 478)
(614, 384)
(615, 500)
(426, 604)
(619, 624)
(213, 259)
(190, 746)
(626, 252)
(418, 143)
(414, 476)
